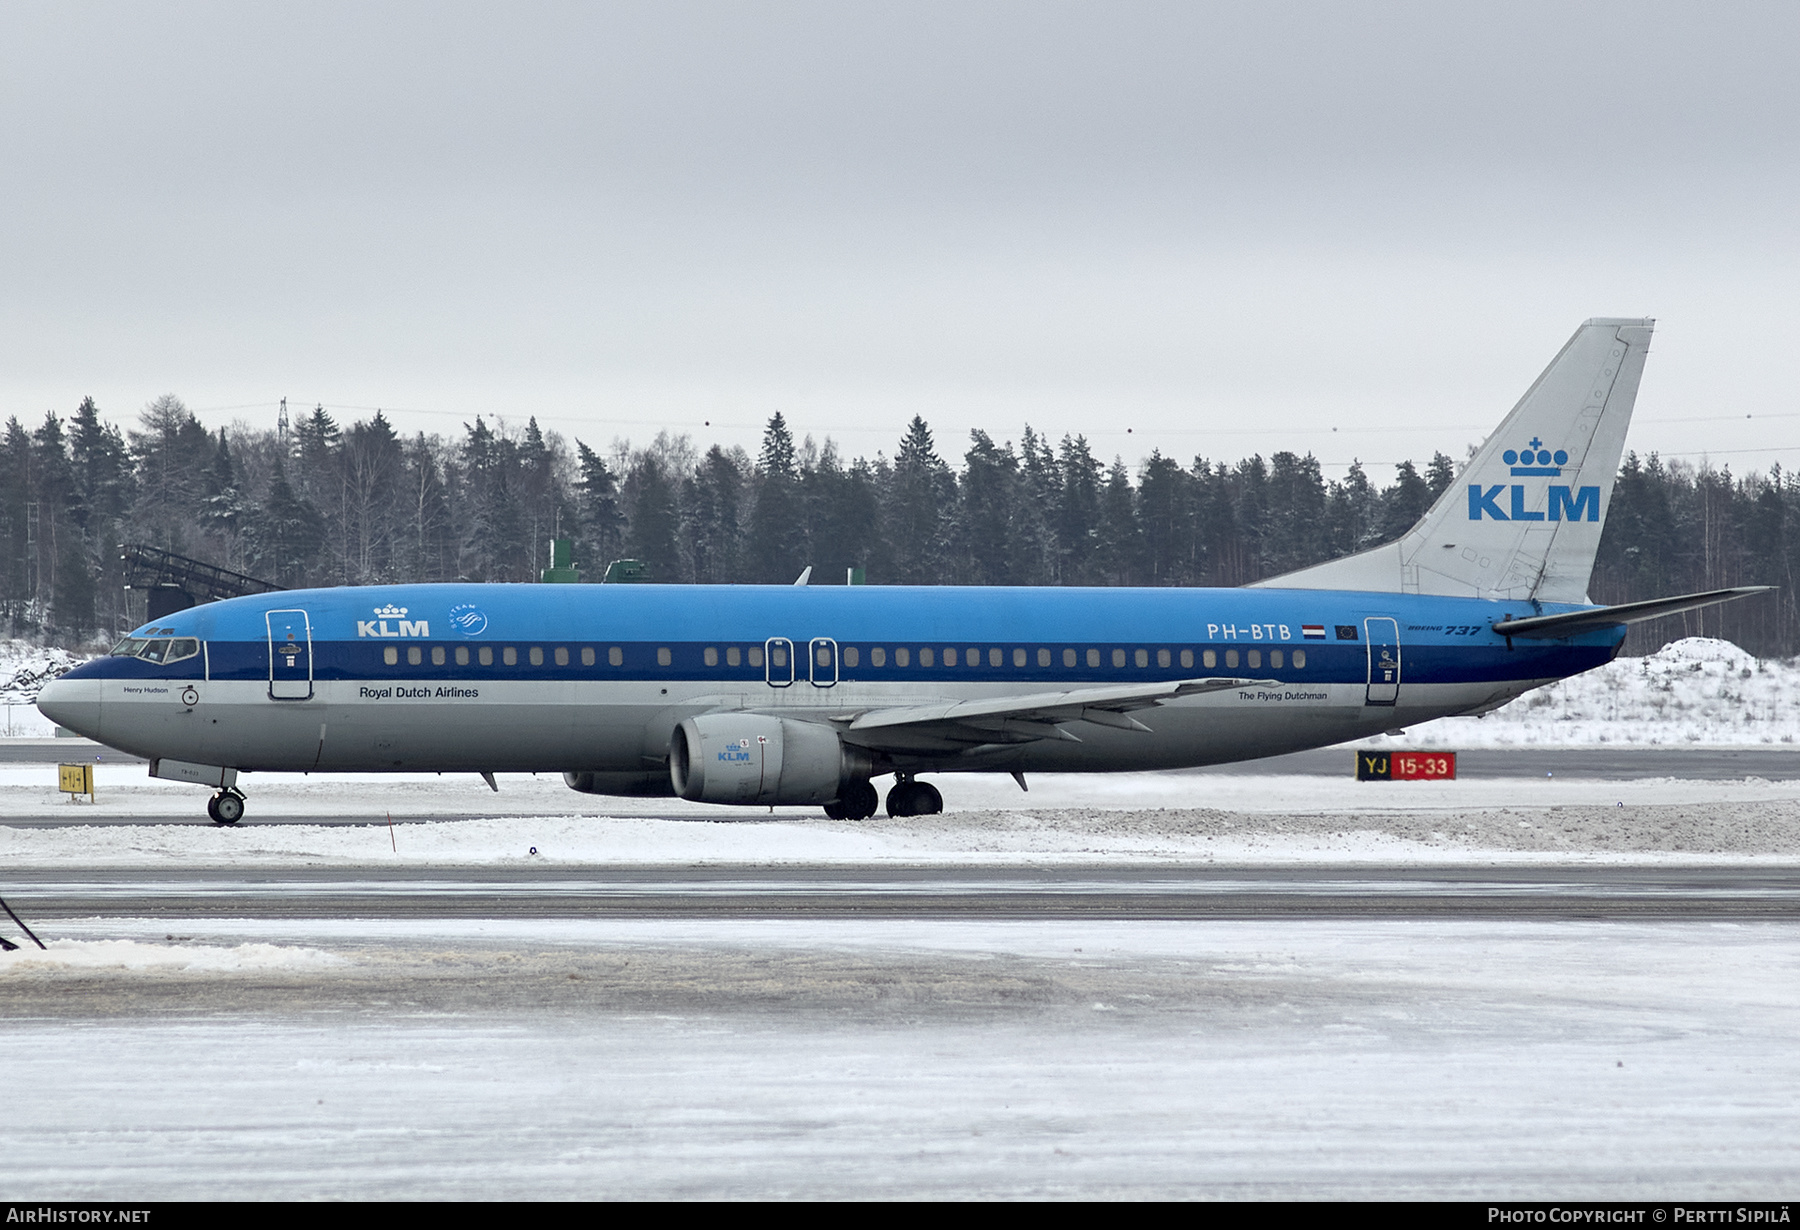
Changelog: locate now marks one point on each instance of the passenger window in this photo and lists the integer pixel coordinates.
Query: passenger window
(903, 656)
(734, 656)
(663, 657)
(1187, 659)
(1299, 659)
(562, 655)
(1043, 657)
(926, 658)
(1256, 658)
(615, 656)
(878, 656)
(756, 655)
(851, 655)
(710, 656)
(1118, 658)
(509, 656)
(1231, 657)
(415, 656)
(994, 657)
(822, 655)
(1142, 657)
(462, 655)
(1093, 657)
(486, 655)
(778, 655)
(587, 655)
(537, 655)
(437, 655)
(1068, 657)
(1162, 657)
(1275, 658)
(1018, 657)
(950, 657)
(1210, 658)
(390, 655)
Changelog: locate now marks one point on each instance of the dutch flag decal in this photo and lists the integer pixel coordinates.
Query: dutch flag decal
(1313, 632)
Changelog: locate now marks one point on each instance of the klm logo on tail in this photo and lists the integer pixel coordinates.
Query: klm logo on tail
(1536, 461)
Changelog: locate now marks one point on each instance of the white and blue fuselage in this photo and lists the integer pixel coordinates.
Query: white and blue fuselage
(589, 678)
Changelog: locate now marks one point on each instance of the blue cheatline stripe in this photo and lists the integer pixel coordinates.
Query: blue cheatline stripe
(1326, 662)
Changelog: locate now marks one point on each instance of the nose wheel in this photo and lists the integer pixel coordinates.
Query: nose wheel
(226, 807)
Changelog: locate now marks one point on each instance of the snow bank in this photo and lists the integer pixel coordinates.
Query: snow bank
(24, 670)
(1696, 692)
(135, 955)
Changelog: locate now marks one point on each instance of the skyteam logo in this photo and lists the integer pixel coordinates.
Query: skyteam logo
(1534, 461)
(394, 614)
(468, 620)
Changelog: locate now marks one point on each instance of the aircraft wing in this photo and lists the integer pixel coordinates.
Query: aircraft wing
(1019, 719)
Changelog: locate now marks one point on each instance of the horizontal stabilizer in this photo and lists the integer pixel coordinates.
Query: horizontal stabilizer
(1553, 627)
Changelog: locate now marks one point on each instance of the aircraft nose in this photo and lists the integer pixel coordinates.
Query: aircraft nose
(74, 703)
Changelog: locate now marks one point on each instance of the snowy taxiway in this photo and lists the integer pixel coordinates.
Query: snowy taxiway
(178, 1039)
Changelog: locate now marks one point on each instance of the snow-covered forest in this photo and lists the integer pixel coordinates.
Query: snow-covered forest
(358, 503)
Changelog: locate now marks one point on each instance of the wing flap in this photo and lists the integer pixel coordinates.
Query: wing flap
(1020, 719)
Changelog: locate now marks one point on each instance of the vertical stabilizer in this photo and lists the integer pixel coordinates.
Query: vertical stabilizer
(1523, 519)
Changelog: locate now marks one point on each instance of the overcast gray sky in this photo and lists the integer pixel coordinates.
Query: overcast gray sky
(1359, 230)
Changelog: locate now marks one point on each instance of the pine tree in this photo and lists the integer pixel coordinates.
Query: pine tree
(777, 546)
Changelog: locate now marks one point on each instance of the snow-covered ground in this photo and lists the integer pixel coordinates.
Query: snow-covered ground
(854, 1059)
(1065, 819)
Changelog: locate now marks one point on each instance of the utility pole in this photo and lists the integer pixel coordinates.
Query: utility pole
(281, 428)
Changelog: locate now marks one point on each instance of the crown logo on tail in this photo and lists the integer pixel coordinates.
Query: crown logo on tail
(1535, 459)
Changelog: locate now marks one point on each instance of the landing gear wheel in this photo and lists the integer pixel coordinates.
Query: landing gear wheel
(226, 807)
(856, 801)
(860, 800)
(910, 798)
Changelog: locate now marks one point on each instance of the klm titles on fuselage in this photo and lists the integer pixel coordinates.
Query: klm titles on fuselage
(1565, 503)
(379, 625)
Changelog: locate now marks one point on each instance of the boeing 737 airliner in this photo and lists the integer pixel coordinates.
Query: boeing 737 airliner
(806, 695)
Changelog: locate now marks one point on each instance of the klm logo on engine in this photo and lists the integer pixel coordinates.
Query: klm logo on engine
(379, 625)
(1536, 461)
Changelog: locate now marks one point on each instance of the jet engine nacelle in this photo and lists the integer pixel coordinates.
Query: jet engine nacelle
(630, 785)
(753, 758)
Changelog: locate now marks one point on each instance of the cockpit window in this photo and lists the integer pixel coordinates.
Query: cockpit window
(161, 650)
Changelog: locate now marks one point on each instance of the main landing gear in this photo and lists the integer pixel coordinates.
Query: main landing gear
(858, 801)
(226, 807)
(914, 798)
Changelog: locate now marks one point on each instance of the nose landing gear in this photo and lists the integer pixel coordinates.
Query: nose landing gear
(226, 807)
